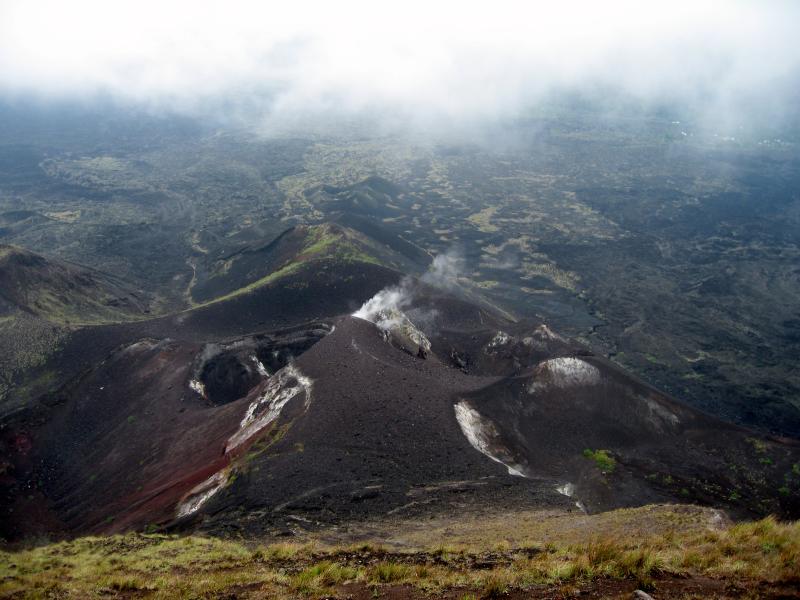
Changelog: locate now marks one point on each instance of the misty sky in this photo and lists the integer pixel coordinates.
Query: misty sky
(455, 59)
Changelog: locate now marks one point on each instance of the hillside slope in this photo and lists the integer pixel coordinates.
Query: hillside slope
(42, 300)
(62, 292)
(296, 248)
(275, 410)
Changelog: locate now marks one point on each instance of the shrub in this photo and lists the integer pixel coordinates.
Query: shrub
(604, 461)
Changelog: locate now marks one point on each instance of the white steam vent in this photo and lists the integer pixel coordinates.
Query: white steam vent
(384, 310)
(564, 372)
(481, 433)
(542, 337)
(198, 386)
(500, 339)
(568, 489)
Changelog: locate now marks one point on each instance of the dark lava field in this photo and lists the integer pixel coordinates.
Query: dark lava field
(215, 329)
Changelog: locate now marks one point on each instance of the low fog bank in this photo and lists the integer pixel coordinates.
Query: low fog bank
(447, 67)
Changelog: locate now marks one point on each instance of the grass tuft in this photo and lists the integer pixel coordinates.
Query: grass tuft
(390, 572)
(162, 566)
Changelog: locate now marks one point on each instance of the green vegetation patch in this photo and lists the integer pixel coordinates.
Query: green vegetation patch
(759, 446)
(604, 461)
(329, 242)
(483, 219)
(271, 278)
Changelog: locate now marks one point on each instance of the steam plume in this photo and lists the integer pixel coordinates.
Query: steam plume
(387, 309)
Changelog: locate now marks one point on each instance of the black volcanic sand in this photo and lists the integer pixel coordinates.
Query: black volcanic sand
(663, 450)
(130, 439)
(379, 436)
(308, 295)
(126, 438)
(89, 447)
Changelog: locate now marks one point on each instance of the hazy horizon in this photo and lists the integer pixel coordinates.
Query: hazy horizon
(728, 62)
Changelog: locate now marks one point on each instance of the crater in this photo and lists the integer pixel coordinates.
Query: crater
(228, 377)
(227, 372)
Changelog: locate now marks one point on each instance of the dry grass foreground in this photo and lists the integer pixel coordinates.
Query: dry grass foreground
(671, 551)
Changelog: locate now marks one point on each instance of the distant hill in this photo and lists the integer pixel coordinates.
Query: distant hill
(62, 292)
(374, 197)
(296, 249)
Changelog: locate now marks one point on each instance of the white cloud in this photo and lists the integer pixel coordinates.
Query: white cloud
(451, 58)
